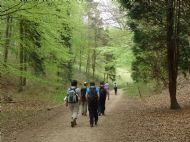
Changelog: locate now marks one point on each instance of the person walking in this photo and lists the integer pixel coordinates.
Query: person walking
(102, 99)
(72, 100)
(92, 96)
(115, 88)
(83, 99)
(106, 86)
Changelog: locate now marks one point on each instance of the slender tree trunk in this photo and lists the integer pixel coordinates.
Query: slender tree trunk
(25, 65)
(21, 54)
(70, 70)
(7, 40)
(189, 37)
(88, 62)
(58, 72)
(94, 54)
(172, 59)
(80, 60)
(89, 44)
(93, 63)
(69, 45)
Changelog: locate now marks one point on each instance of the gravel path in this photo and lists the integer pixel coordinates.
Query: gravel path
(127, 119)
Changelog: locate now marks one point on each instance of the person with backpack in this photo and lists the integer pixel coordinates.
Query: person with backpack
(115, 88)
(92, 96)
(72, 100)
(102, 99)
(83, 99)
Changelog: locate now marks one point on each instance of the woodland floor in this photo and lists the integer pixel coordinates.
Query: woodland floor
(127, 119)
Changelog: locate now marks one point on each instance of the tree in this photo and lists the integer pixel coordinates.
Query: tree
(155, 47)
(172, 51)
(7, 37)
(41, 39)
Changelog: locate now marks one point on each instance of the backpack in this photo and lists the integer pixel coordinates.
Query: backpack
(83, 94)
(93, 95)
(72, 96)
(102, 92)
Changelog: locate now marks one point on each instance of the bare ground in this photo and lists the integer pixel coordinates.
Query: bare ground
(127, 119)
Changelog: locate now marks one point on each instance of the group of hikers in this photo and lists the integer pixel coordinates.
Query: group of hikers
(89, 96)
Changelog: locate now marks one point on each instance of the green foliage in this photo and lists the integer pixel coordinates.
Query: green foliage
(44, 26)
(49, 42)
(150, 53)
(58, 96)
(118, 54)
(148, 21)
(141, 89)
(122, 43)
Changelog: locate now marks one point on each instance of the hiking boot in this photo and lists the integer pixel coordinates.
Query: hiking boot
(72, 124)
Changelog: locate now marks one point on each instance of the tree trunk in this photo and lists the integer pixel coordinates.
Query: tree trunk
(88, 62)
(107, 79)
(70, 70)
(172, 56)
(7, 40)
(80, 60)
(25, 65)
(94, 54)
(93, 63)
(21, 54)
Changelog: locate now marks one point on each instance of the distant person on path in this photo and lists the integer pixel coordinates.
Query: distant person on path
(72, 100)
(102, 99)
(92, 95)
(115, 88)
(83, 99)
(106, 86)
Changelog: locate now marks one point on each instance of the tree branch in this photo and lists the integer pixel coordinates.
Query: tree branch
(10, 7)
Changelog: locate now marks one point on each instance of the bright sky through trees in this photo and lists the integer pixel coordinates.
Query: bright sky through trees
(105, 7)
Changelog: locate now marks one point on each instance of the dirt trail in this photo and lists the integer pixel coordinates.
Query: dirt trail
(59, 130)
(127, 119)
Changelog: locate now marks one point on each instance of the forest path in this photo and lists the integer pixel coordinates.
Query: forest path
(59, 129)
(127, 119)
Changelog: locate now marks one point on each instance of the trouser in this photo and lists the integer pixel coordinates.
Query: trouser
(93, 111)
(101, 105)
(115, 90)
(84, 107)
(74, 108)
